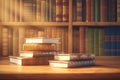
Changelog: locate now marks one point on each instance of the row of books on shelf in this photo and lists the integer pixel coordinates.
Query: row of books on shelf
(96, 10)
(58, 10)
(56, 60)
(14, 40)
(102, 41)
(34, 10)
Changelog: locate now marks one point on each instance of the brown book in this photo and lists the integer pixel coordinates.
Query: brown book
(5, 42)
(15, 41)
(37, 53)
(86, 40)
(43, 10)
(59, 10)
(74, 10)
(71, 64)
(88, 10)
(79, 10)
(20, 60)
(39, 47)
(38, 10)
(118, 10)
(65, 10)
(92, 10)
(74, 57)
(7, 10)
(103, 9)
(82, 39)
(21, 37)
(76, 40)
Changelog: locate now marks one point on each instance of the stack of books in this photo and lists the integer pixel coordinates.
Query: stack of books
(36, 51)
(72, 60)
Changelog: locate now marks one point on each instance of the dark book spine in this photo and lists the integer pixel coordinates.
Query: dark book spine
(88, 10)
(83, 10)
(97, 10)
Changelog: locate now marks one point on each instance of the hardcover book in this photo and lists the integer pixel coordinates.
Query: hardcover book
(74, 57)
(21, 60)
(71, 64)
(41, 40)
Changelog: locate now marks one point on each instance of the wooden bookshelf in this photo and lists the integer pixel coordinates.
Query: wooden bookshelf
(96, 24)
(41, 24)
(106, 68)
(70, 24)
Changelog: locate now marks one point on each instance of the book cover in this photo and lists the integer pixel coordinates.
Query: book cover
(71, 64)
(65, 13)
(59, 10)
(41, 40)
(25, 61)
(39, 47)
(88, 10)
(37, 53)
(82, 39)
(74, 57)
(79, 10)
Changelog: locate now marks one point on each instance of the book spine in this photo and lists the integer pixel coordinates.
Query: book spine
(88, 10)
(81, 63)
(39, 47)
(65, 11)
(47, 10)
(103, 10)
(79, 10)
(21, 37)
(5, 42)
(15, 41)
(91, 40)
(101, 42)
(21, 11)
(7, 11)
(107, 43)
(83, 10)
(10, 38)
(96, 38)
(43, 10)
(97, 10)
(82, 39)
(118, 10)
(86, 40)
(74, 10)
(59, 10)
(38, 10)
(54, 10)
(92, 10)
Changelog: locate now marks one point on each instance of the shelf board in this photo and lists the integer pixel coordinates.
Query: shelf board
(102, 24)
(64, 24)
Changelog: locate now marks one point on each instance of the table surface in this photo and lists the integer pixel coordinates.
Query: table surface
(105, 68)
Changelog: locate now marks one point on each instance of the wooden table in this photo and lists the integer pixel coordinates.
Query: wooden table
(107, 68)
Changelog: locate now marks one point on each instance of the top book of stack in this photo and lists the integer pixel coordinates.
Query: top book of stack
(41, 40)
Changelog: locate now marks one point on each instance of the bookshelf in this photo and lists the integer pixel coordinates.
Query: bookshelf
(69, 25)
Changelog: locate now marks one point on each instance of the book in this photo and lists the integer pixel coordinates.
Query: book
(74, 57)
(39, 47)
(41, 40)
(88, 10)
(37, 53)
(21, 60)
(79, 10)
(71, 64)
(65, 13)
(59, 10)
